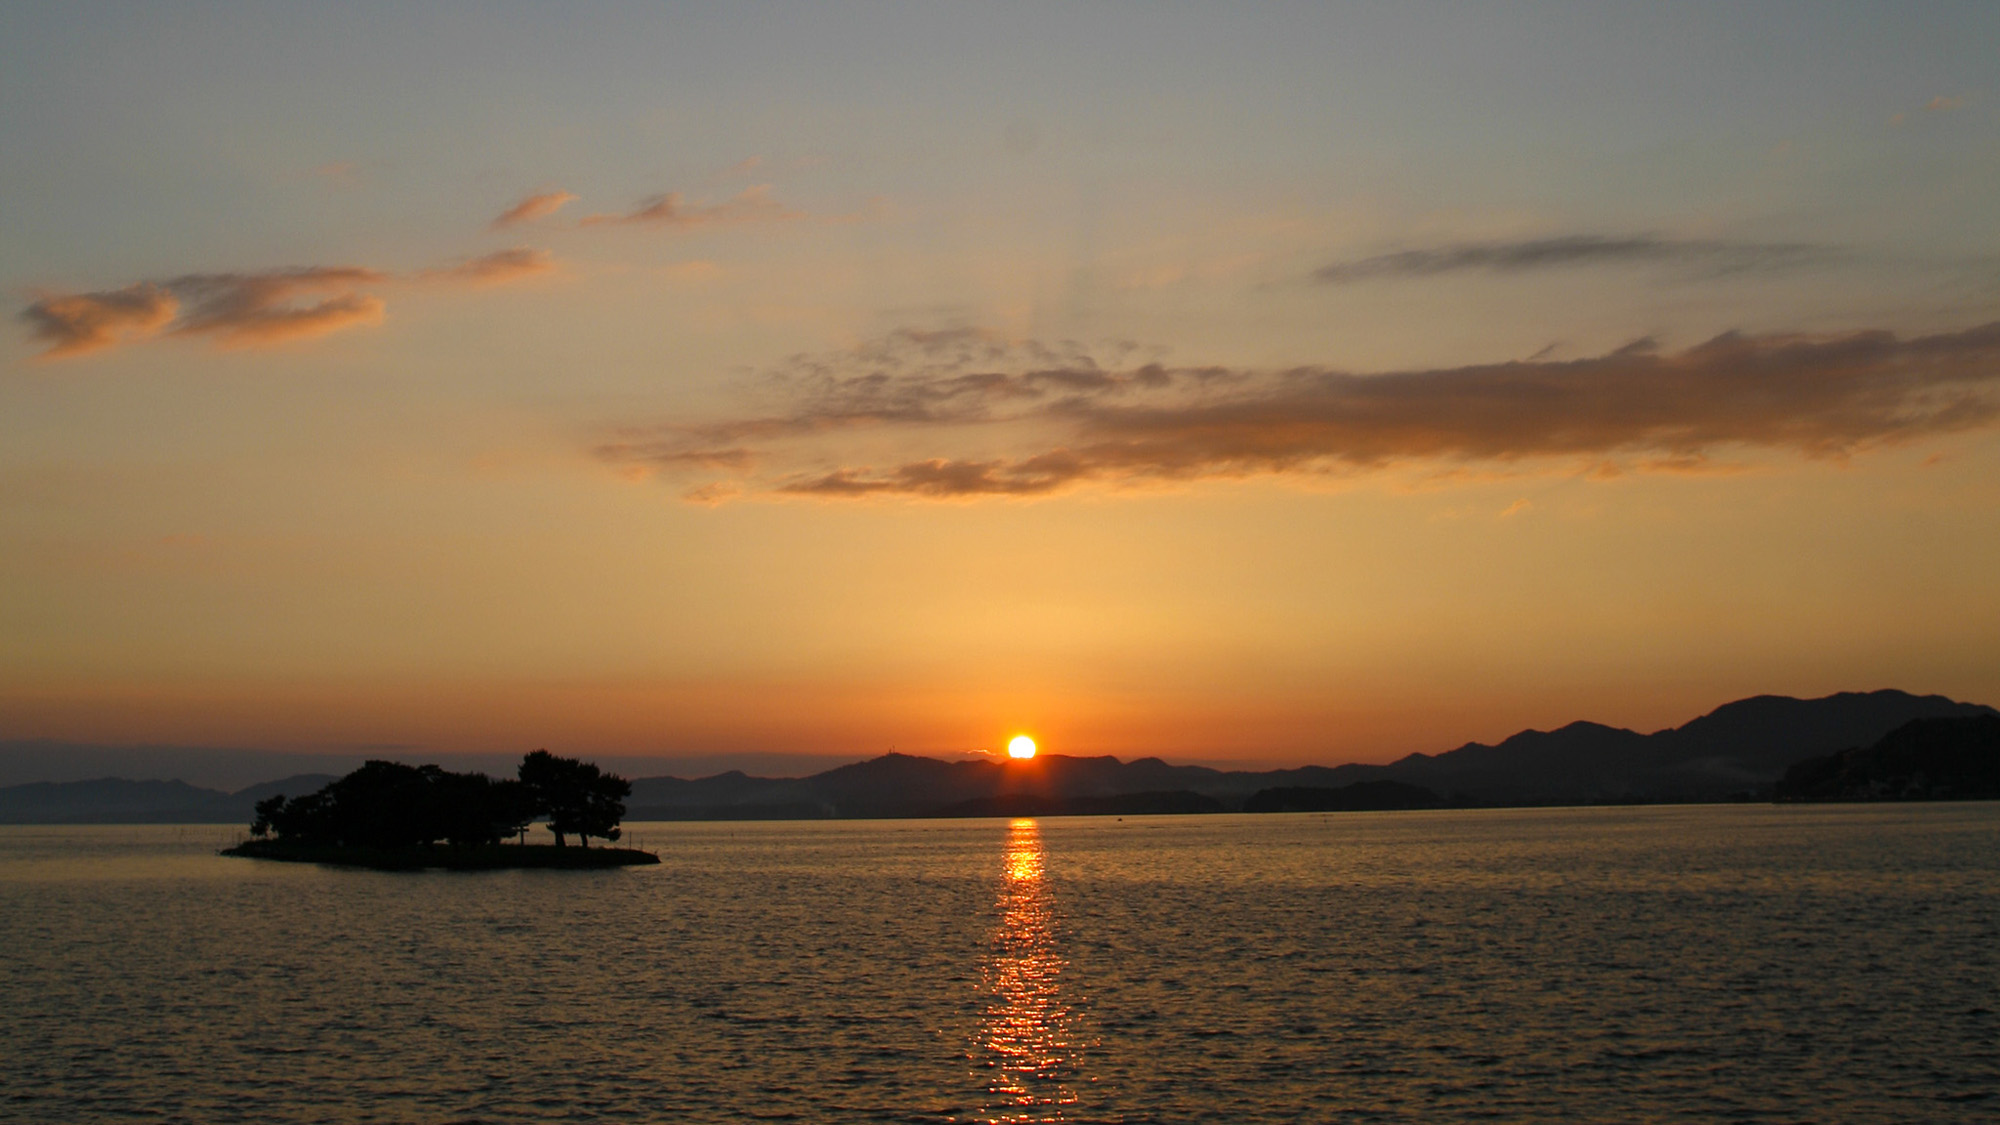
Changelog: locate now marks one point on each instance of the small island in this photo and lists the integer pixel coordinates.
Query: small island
(394, 817)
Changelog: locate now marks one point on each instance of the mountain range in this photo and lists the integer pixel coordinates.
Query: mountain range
(118, 800)
(1738, 751)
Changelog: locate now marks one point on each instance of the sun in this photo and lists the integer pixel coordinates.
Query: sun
(1021, 747)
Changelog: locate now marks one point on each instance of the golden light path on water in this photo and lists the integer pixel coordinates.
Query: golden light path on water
(1025, 1036)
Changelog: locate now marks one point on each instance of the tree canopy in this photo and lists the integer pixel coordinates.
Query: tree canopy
(575, 796)
(391, 805)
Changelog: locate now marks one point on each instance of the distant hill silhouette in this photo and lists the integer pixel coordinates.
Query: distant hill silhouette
(114, 800)
(1738, 750)
(1951, 759)
(1362, 796)
(1179, 801)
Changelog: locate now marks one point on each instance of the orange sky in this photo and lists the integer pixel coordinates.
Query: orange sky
(1313, 387)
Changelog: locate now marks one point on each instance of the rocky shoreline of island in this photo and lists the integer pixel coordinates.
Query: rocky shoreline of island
(447, 857)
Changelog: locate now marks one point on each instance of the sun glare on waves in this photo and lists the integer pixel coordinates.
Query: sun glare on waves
(1021, 747)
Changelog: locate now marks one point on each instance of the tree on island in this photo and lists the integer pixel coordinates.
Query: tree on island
(575, 796)
(391, 805)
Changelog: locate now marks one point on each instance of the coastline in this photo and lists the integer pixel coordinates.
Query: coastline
(484, 857)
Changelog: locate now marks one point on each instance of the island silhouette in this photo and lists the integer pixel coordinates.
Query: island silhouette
(388, 815)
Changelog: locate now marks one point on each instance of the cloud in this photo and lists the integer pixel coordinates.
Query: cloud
(249, 308)
(75, 323)
(1000, 425)
(1576, 250)
(1942, 104)
(538, 206)
(497, 268)
(653, 457)
(276, 305)
(937, 477)
(712, 495)
(908, 378)
(751, 205)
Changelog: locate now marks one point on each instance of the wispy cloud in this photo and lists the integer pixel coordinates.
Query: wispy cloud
(76, 323)
(277, 305)
(1943, 103)
(247, 309)
(654, 455)
(751, 205)
(538, 206)
(497, 268)
(1575, 251)
(1009, 428)
(941, 478)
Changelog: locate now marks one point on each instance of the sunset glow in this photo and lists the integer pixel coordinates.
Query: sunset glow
(541, 545)
(1025, 1035)
(1318, 384)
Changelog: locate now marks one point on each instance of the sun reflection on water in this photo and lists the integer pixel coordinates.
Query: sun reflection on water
(1025, 1038)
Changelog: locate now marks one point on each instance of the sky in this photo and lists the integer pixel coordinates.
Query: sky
(1310, 383)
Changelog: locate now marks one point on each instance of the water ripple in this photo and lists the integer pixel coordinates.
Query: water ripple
(1695, 964)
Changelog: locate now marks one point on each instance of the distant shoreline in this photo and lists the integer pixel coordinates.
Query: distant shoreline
(755, 815)
(483, 857)
(1744, 751)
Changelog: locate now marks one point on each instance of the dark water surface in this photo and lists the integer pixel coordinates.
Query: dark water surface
(1667, 964)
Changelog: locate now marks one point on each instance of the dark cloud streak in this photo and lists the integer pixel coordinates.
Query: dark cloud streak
(1820, 397)
(276, 305)
(670, 210)
(1708, 257)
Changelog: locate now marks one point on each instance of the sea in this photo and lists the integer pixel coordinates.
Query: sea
(1691, 963)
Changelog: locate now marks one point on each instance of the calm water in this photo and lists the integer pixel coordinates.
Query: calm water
(1697, 964)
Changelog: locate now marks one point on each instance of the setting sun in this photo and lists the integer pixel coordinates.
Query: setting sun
(1021, 747)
